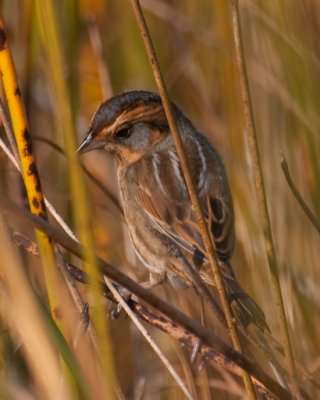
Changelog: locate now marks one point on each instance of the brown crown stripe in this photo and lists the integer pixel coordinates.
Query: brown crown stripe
(145, 112)
(138, 103)
(142, 113)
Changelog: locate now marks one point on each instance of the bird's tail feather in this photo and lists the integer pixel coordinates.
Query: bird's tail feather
(243, 306)
(247, 311)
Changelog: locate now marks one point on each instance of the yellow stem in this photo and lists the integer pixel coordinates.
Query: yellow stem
(28, 165)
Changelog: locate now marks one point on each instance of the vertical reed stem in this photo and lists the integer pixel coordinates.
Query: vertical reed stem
(261, 194)
(80, 202)
(192, 192)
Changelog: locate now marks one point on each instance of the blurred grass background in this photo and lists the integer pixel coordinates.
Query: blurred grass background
(194, 44)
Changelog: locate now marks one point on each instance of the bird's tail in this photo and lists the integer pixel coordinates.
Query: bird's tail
(247, 311)
(243, 306)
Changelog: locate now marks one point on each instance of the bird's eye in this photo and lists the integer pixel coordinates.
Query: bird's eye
(123, 133)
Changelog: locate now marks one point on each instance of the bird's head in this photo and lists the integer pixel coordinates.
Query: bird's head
(128, 125)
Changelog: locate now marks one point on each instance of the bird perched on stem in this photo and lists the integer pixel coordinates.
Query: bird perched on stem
(157, 207)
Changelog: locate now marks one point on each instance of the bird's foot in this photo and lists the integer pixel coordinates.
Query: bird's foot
(114, 310)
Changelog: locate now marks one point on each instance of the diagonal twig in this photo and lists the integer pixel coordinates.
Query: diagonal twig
(207, 337)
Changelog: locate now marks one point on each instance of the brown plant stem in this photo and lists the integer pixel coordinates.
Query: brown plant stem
(261, 194)
(192, 192)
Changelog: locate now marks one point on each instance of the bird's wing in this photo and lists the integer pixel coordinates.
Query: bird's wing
(164, 197)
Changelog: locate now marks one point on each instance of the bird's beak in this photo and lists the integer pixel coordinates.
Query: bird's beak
(88, 143)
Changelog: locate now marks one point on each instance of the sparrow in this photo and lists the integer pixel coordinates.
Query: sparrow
(163, 227)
